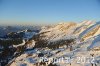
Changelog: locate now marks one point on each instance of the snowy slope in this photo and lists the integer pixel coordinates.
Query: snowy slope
(92, 29)
(84, 30)
(87, 30)
(59, 31)
(95, 43)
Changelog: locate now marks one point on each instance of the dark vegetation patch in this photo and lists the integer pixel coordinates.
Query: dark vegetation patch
(42, 43)
(7, 51)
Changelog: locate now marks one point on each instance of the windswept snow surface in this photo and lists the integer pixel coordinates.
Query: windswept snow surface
(89, 29)
(95, 43)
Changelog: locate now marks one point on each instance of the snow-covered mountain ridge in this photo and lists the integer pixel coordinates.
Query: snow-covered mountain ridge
(70, 40)
(84, 30)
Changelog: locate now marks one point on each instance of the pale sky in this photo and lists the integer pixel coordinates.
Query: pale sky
(48, 11)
